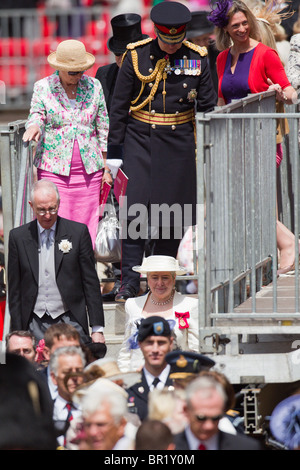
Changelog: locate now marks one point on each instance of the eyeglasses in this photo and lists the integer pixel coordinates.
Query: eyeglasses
(203, 418)
(44, 211)
(75, 73)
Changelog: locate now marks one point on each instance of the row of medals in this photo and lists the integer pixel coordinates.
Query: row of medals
(182, 70)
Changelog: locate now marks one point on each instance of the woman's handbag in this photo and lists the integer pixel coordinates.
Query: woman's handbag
(108, 243)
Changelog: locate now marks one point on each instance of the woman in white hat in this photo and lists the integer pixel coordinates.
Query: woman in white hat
(163, 300)
(69, 121)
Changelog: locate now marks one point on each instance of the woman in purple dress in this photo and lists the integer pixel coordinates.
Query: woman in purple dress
(244, 66)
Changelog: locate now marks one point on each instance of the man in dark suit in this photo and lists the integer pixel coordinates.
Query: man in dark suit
(205, 405)
(155, 340)
(200, 31)
(51, 271)
(126, 29)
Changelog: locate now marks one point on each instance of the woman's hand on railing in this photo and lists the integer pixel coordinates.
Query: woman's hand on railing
(32, 133)
(288, 95)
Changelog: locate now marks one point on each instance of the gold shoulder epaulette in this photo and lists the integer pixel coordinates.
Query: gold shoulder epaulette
(201, 49)
(133, 45)
(232, 413)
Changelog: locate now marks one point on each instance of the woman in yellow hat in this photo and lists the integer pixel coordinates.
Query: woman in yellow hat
(69, 121)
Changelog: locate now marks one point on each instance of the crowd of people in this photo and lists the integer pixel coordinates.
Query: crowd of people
(137, 113)
(175, 399)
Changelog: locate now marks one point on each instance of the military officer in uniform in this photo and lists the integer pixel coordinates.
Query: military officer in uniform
(163, 81)
(155, 338)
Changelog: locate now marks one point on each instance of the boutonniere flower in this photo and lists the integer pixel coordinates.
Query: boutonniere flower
(182, 319)
(65, 246)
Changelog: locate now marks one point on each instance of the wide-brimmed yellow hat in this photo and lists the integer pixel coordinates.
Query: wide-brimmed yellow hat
(71, 56)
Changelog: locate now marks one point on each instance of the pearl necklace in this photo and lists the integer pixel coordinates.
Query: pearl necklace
(163, 303)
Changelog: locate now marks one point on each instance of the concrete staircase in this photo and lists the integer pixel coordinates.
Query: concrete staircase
(114, 327)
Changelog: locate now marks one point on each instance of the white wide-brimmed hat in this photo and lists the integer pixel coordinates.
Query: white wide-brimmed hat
(157, 263)
(71, 56)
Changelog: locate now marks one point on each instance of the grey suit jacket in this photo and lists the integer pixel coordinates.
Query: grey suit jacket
(75, 271)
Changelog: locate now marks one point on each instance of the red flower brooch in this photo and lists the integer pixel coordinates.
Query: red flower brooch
(182, 319)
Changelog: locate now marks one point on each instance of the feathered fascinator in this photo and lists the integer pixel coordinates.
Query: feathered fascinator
(271, 11)
(218, 16)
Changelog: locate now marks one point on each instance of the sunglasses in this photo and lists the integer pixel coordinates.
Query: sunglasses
(202, 418)
(74, 73)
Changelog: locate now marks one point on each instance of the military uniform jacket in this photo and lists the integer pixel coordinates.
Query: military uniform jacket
(138, 396)
(159, 160)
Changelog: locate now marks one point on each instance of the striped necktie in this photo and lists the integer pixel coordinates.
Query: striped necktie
(69, 408)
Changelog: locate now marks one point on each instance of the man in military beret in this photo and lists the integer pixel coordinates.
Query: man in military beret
(155, 340)
(162, 81)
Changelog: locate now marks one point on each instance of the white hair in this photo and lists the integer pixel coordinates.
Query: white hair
(45, 185)
(106, 394)
(65, 351)
(205, 385)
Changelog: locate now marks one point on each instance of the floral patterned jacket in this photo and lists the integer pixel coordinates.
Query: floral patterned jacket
(61, 124)
(293, 69)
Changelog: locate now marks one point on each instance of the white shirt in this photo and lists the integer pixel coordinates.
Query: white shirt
(162, 377)
(52, 387)
(42, 232)
(60, 413)
(124, 443)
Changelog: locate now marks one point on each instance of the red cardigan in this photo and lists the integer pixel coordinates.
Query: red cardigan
(265, 64)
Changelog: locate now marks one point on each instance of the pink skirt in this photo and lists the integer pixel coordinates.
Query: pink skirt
(279, 155)
(79, 193)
